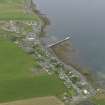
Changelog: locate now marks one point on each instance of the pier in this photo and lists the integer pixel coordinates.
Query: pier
(58, 42)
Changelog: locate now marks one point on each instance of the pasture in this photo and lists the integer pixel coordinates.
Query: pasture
(17, 81)
(15, 10)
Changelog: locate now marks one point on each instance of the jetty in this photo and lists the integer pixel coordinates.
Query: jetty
(58, 42)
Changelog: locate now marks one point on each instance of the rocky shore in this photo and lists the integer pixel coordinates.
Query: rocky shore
(70, 76)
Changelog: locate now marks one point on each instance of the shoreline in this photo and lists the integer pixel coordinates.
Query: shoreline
(45, 24)
(44, 18)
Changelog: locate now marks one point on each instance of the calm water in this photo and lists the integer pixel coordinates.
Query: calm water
(86, 20)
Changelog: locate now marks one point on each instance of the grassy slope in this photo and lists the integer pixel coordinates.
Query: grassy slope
(14, 9)
(13, 61)
(99, 101)
(16, 79)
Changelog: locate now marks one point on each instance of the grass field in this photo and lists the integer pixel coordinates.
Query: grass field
(16, 78)
(15, 10)
(37, 101)
(99, 99)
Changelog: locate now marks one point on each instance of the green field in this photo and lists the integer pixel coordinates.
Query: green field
(16, 78)
(15, 10)
(99, 98)
(99, 101)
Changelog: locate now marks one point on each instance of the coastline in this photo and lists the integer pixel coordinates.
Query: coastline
(45, 23)
(43, 28)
